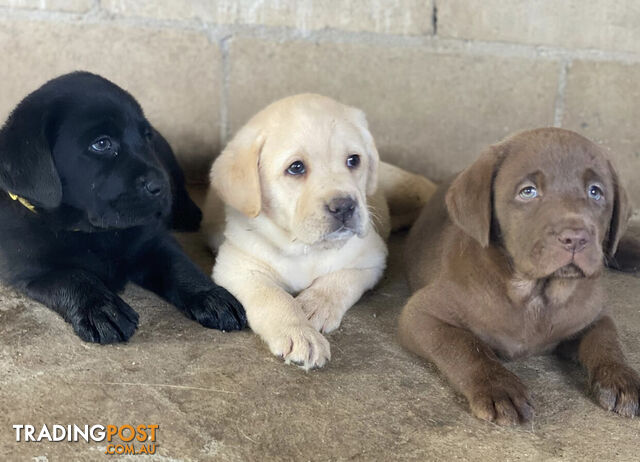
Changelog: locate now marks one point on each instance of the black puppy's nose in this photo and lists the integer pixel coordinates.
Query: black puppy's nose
(153, 187)
(574, 240)
(341, 208)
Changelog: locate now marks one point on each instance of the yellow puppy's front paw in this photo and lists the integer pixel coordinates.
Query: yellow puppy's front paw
(301, 345)
(321, 312)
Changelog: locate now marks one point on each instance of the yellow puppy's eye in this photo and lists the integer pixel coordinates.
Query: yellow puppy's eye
(296, 168)
(353, 161)
(528, 192)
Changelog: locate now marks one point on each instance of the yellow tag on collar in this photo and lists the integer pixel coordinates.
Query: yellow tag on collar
(23, 201)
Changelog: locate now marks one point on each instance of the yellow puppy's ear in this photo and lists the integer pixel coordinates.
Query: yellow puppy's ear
(374, 164)
(235, 175)
(372, 152)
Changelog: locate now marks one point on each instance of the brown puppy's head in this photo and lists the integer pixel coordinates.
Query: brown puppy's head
(307, 163)
(550, 196)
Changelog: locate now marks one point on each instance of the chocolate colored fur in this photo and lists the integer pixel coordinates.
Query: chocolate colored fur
(500, 271)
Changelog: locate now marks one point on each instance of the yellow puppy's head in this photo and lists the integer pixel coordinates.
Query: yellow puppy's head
(307, 163)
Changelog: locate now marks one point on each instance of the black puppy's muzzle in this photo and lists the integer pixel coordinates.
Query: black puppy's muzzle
(153, 186)
(146, 200)
(155, 193)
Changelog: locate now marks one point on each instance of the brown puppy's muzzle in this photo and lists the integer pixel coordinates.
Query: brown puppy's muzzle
(570, 250)
(574, 240)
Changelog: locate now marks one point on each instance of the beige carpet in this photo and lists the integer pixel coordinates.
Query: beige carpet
(222, 396)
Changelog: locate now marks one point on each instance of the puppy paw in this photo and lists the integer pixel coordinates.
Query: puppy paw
(501, 398)
(108, 321)
(217, 309)
(321, 312)
(616, 387)
(301, 345)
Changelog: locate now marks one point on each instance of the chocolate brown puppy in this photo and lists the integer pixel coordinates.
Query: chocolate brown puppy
(505, 262)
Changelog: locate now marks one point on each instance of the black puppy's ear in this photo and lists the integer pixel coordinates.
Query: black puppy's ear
(470, 194)
(185, 214)
(26, 163)
(620, 216)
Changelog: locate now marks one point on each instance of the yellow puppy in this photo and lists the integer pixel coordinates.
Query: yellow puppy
(305, 222)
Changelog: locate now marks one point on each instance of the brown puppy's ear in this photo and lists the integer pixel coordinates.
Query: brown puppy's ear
(26, 163)
(372, 152)
(235, 175)
(620, 216)
(469, 197)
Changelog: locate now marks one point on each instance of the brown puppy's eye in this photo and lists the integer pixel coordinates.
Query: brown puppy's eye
(528, 193)
(353, 161)
(595, 192)
(296, 168)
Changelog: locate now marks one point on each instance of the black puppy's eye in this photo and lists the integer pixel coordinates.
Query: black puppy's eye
(296, 168)
(148, 134)
(595, 192)
(101, 145)
(353, 161)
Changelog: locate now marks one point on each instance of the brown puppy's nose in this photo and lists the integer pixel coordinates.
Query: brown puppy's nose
(574, 240)
(341, 208)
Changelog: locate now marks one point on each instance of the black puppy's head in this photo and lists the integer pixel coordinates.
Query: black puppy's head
(82, 142)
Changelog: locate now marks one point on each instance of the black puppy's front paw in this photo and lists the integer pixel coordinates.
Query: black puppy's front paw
(216, 308)
(109, 320)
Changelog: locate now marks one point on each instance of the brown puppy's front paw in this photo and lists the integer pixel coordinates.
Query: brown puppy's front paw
(501, 398)
(616, 387)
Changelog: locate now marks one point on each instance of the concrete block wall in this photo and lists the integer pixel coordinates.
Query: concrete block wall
(438, 79)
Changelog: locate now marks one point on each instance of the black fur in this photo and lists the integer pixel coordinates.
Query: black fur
(101, 216)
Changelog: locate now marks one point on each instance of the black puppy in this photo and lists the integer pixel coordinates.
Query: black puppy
(86, 193)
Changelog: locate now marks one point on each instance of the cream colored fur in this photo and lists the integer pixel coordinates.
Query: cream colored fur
(278, 252)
